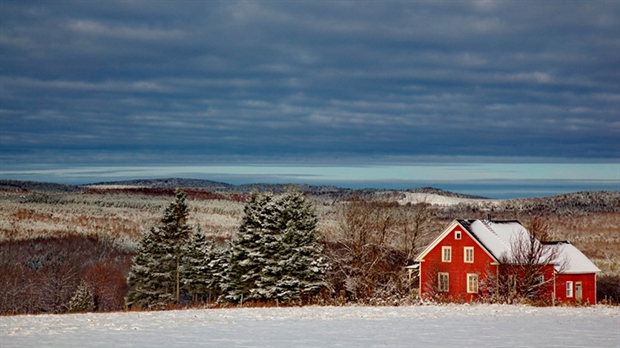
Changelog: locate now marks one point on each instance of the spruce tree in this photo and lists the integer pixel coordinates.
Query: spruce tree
(82, 300)
(202, 268)
(276, 255)
(246, 253)
(155, 277)
(176, 231)
(151, 278)
(302, 265)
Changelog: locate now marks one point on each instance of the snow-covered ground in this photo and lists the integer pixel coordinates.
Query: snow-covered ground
(416, 326)
(431, 198)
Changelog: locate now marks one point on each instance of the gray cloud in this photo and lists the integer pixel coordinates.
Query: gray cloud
(163, 81)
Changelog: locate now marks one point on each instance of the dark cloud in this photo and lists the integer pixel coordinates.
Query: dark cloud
(92, 81)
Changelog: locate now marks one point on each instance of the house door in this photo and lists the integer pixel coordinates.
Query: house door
(578, 291)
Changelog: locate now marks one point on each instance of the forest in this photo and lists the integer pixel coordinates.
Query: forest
(62, 246)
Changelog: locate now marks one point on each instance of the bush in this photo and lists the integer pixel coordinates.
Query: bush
(608, 289)
(43, 275)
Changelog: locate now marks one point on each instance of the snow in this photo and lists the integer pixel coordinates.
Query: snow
(499, 236)
(576, 261)
(432, 198)
(425, 326)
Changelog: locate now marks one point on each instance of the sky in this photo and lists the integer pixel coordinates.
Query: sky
(354, 93)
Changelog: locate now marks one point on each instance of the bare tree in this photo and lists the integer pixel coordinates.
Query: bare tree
(529, 270)
(416, 224)
(375, 241)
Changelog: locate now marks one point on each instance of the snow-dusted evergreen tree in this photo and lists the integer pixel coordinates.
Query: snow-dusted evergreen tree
(155, 278)
(202, 268)
(82, 300)
(300, 258)
(276, 256)
(246, 253)
(151, 278)
(176, 231)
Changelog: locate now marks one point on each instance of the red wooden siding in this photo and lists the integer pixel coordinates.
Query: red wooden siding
(548, 272)
(457, 269)
(588, 290)
(431, 264)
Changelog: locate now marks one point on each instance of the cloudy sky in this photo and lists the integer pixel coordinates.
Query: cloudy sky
(330, 90)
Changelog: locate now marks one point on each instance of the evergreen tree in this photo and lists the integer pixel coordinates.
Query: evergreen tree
(82, 300)
(246, 254)
(176, 231)
(277, 255)
(151, 278)
(202, 268)
(300, 258)
(155, 276)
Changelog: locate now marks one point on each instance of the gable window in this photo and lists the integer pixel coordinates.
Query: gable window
(443, 281)
(569, 289)
(469, 254)
(472, 283)
(541, 279)
(457, 235)
(446, 254)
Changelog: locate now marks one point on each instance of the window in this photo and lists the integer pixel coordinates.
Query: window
(569, 289)
(443, 281)
(446, 254)
(469, 254)
(472, 283)
(541, 279)
(457, 235)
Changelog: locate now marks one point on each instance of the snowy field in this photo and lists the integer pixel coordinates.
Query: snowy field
(416, 326)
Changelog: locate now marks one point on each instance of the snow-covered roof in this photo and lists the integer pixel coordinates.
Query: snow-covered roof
(497, 236)
(572, 260)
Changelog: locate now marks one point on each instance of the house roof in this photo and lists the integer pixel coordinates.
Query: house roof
(572, 260)
(499, 236)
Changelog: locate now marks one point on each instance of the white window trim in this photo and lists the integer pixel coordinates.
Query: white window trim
(577, 297)
(470, 276)
(457, 235)
(443, 254)
(465, 254)
(447, 287)
(569, 289)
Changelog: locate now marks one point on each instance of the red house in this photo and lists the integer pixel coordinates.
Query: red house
(474, 258)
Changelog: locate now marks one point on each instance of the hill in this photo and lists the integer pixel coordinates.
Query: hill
(583, 201)
(18, 185)
(166, 183)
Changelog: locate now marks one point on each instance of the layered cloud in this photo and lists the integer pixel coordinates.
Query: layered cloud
(163, 82)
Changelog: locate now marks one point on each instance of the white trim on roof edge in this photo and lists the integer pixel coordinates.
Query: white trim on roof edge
(451, 227)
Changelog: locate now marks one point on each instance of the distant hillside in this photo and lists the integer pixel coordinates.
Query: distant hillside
(264, 187)
(584, 201)
(216, 186)
(17, 185)
(169, 183)
(440, 192)
(278, 188)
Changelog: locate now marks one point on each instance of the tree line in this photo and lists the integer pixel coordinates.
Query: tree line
(278, 257)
